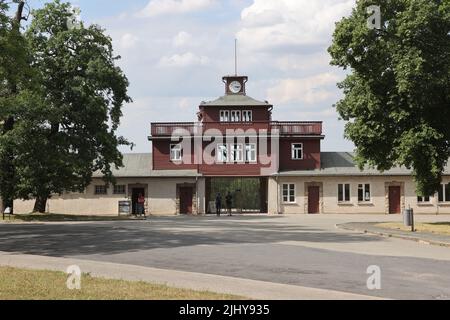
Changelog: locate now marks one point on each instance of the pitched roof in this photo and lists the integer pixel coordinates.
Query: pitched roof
(139, 165)
(343, 164)
(235, 100)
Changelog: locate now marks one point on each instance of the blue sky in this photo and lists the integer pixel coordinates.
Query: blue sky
(175, 53)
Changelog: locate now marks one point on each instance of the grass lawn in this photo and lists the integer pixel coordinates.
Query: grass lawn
(442, 228)
(21, 284)
(61, 217)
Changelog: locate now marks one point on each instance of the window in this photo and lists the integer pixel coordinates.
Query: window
(224, 116)
(235, 116)
(444, 193)
(119, 189)
(175, 152)
(364, 192)
(423, 199)
(101, 189)
(222, 153)
(247, 116)
(237, 153)
(297, 151)
(344, 192)
(288, 193)
(250, 152)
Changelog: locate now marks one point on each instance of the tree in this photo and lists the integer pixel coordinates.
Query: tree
(397, 93)
(15, 79)
(72, 133)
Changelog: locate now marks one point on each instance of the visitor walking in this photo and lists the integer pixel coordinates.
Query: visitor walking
(229, 202)
(218, 204)
(141, 205)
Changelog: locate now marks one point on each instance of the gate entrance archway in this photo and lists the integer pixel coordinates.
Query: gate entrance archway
(249, 194)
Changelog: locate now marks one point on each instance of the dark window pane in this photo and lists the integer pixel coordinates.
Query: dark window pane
(347, 192)
(447, 193)
(441, 194)
(360, 193)
(367, 192)
(340, 192)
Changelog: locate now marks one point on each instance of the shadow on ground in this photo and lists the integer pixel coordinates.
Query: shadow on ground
(66, 239)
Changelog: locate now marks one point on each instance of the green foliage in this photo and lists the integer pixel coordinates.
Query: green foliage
(65, 93)
(84, 92)
(397, 95)
(15, 83)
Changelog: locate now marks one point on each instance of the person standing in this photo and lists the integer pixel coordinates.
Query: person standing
(141, 205)
(229, 202)
(218, 204)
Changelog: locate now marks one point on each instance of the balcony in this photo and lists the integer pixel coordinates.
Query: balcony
(199, 128)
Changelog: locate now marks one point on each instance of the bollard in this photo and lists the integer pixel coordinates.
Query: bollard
(407, 217)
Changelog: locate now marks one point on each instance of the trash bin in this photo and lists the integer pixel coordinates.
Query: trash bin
(408, 217)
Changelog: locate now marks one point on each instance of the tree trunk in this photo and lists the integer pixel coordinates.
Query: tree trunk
(40, 204)
(8, 199)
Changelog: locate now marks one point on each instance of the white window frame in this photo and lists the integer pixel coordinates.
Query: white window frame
(344, 194)
(103, 187)
(235, 116)
(224, 116)
(237, 152)
(364, 192)
(219, 153)
(444, 198)
(247, 116)
(116, 191)
(251, 149)
(176, 152)
(291, 192)
(421, 200)
(295, 149)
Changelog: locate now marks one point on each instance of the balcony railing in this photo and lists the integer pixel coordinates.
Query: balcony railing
(190, 128)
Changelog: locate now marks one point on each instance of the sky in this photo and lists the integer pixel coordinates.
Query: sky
(175, 52)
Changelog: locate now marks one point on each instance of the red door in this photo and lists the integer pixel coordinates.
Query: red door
(186, 200)
(313, 200)
(394, 200)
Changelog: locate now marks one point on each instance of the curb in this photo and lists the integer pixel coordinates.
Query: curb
(385, 233)
(252, 289)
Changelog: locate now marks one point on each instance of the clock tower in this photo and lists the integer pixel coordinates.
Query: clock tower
(235, 84)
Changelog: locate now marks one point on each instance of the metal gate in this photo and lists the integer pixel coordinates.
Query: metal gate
(248, 194)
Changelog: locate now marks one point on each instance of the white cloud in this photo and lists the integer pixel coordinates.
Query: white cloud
(187, 59)
(182, 38)
(128, 41)
(162, 7)
(283, 24)
(311, 90)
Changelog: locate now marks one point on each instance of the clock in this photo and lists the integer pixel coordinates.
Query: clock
(235, 87)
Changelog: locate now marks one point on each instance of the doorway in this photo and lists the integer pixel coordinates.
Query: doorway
(313, 199)
(134, 198)
(249, 194)
(186, 195)
(394, 200)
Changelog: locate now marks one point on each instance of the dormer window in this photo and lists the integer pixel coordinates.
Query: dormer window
(297, 151)
(224, 116)
(247, 116)
(235, 116)
(175, 152)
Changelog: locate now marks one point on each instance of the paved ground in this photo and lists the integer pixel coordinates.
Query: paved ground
(296, 250)
(372, 228)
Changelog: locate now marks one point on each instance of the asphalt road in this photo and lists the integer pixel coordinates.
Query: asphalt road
(297, 250)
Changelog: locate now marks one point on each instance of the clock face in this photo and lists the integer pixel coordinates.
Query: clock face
(235, 86)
